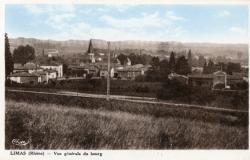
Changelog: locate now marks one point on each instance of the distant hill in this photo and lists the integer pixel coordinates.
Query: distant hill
(70, 47)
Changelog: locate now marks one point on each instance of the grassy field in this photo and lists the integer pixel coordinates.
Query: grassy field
(120, 87)
(63, 126)
(155, 110)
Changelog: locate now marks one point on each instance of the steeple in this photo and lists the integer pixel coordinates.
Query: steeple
(90, 52)
(90, 49)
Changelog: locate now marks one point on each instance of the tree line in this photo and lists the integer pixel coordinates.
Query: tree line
(229, 67)
(22, 55)
(134, 58)
(162, 68)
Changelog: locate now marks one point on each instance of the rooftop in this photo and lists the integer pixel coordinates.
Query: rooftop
(27, 66)
(24, 74)
(50, 63)
(205, 76)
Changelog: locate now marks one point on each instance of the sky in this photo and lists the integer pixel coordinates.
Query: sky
(159, 22)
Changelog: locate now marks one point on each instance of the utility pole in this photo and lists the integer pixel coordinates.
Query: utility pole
(108, 77)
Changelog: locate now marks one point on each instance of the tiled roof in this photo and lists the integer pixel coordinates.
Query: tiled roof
(219, 73)
(24, 74)
(50, 63)
(40, 72)
(27, 66)
(50, 70)
(130, 70)
(200, 76)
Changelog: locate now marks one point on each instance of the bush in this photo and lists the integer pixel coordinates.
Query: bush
(143, 89)
(240, 86)
(140, 78)
(95, 82)
(173, 89)
(219, 86)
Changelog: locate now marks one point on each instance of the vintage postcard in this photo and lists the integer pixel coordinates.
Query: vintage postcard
(85, 80)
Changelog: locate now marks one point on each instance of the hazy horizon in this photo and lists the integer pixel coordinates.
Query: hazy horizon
(246, 43)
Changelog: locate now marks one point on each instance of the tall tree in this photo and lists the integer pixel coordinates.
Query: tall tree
(205, 71)
(182, 66)
(122, 58)
(9, 65)
(210, 66)
(190, 58)
(172, 61)
(164, 69)
(155, 62)
(24, 54)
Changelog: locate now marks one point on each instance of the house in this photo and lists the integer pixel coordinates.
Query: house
(201, 80)
(233, 79)
(25, 78)
(51, 73)
(28, 67)
(53, 66)
(129, 73)
(44, 76)
(78, 71)
(92, 69)
(211, 80)
(104, 71)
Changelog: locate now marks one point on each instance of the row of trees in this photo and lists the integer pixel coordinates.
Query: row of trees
(134, 58)
(22, 54)
(229, 67)
(162, 68)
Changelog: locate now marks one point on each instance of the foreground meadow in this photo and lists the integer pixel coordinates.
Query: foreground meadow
(59, 126)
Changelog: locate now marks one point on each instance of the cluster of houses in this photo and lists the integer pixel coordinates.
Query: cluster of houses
(31, 73)
(117, 71)
(211, 80)
(96, 67)
(95, 64)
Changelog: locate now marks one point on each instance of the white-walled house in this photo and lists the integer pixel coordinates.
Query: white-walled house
(53, 66)
(51, 74)
(25, 78)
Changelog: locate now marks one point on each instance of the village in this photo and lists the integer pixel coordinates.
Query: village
(153, 76)
(94, 65)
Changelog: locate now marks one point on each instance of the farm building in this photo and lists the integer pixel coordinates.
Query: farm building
(44, 76)
(25, 78)
(131, 72)
(201, 80)
(211, 80)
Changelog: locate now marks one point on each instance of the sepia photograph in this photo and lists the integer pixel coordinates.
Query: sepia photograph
(126, 76)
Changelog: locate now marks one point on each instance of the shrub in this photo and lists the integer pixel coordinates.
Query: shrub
(95, 82)
(140, 78)
(142, 89)
(173, 89)
(219, 86)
